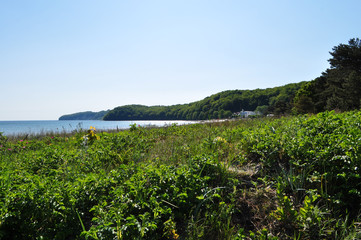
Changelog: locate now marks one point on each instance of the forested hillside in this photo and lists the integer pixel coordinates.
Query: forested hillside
(221, 105)
(338, 88)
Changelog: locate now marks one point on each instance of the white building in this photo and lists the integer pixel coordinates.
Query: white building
(246, 114)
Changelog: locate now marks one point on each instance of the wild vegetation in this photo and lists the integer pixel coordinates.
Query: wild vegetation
(288, 178)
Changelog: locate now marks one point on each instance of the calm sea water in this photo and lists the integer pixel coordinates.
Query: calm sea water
(37, 127)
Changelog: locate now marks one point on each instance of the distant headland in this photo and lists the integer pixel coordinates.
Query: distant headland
(88, 115)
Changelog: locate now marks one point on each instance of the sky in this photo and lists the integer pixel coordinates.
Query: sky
(62, 57)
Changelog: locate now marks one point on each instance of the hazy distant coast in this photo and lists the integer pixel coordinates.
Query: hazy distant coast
(88, 115)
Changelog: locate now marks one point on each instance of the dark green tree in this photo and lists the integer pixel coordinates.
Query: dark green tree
(352, 86)
(339, 87)
(304, 104)
(347, 56)
(343, 87)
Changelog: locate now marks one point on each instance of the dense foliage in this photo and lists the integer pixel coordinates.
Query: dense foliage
(288, 178)
(339, 87)
(85, 116)
(218, 106)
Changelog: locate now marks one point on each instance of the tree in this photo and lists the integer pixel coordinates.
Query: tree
(339, 87)
(334, 93)
(343, 85)
(304, 104)
(262, 109)
(347, 56)
(352, 86)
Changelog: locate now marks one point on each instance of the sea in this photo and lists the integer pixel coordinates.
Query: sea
(13, 128)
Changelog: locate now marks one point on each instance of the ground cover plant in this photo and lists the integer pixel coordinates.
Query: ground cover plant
(287, 178)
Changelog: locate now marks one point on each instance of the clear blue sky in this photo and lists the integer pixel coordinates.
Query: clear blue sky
(60, 57)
